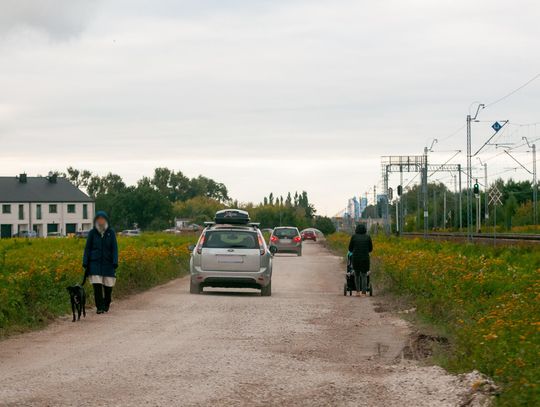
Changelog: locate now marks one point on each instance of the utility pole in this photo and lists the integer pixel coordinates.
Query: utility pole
(444, 209)
(469, 172)
(456, 224)
(535, 183)
(460, 200)
(478, 204)
(486, 210)
(435, 207)
(401, 223)
(425, 191)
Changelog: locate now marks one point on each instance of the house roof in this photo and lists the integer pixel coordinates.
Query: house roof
(39, 189)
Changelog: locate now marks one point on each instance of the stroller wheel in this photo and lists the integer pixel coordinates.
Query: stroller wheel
(370, 291)
(345, 289)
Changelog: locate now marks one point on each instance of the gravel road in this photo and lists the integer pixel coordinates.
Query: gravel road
(307, 345)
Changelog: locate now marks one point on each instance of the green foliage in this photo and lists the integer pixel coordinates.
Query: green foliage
(324, 224)
(149, 204)
(486, 298)
(34, 274)
(198, 209)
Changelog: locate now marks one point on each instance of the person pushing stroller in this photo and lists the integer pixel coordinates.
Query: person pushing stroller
(361, 246)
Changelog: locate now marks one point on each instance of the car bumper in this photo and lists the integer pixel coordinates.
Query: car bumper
(288, 249)
(232, 279)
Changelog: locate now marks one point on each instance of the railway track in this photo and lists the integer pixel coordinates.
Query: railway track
(482, 237)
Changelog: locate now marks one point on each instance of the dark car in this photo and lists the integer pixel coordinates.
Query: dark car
(286, 239)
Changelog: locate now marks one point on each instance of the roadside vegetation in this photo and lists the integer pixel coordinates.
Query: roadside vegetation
(486, 299)
(34, 274)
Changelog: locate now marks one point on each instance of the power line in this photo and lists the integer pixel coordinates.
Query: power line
(514, 91)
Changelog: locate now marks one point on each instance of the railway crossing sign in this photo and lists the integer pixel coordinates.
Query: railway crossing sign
(495, 196)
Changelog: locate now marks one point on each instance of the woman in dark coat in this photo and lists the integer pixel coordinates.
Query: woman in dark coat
(100, 261)
(360, 246)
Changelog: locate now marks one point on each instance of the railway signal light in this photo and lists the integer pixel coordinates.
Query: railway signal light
(476, 188)
(399, 190)
(390, 194)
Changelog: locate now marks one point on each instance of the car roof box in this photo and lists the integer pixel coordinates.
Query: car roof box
(232, 217)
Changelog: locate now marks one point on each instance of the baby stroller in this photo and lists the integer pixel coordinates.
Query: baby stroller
(350, 283)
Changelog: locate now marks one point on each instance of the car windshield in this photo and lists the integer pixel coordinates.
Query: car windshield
(285, 233)
(231, 239)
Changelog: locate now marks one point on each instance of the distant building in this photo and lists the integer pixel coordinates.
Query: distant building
(44, 205)
(363, 205)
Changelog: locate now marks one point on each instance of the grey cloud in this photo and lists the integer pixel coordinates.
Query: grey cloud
(60, 19)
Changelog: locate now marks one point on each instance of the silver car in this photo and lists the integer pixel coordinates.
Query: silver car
(286, 239)
(233, 256)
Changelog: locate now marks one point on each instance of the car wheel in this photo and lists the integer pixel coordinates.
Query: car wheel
(195, 288)
(267, 290)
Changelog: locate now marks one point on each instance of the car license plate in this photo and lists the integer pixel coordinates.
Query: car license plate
(230, 259)
(286, 241)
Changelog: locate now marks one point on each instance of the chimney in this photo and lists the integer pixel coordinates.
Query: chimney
(22, 178)
(52, 177)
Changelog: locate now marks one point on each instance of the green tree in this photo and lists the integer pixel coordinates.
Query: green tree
(324, 224)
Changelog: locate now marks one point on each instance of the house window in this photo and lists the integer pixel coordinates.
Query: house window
(6, 208)
(38, 211)
(21, 212)
(53, 208)
(71, 208)
(85, 211)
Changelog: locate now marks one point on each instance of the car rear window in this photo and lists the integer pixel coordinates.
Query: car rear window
(285, 233)
(231, 239)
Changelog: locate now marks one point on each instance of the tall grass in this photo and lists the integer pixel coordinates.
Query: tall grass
(34, 273)
(487, 299)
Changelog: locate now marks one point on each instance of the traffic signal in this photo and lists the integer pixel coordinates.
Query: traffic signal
(399, 190)
(476, 189)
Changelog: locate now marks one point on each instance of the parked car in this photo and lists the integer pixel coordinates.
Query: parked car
(26, 233)
(82, 233)
(309, 235)
(54, 234)
(231, 253)
(131, 232)
(286, 239)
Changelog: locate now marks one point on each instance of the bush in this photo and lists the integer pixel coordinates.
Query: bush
(487, 299)
(34, 274)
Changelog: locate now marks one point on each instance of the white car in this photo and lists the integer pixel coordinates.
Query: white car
(131, 232)
(231, 253)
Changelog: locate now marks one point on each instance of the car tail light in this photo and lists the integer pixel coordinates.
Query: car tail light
(261, 245)
(297, 239)
(274, 239)
(200, 244)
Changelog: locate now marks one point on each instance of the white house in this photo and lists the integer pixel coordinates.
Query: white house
(44, 205)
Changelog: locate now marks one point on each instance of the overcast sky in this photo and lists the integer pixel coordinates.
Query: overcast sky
(262, 95)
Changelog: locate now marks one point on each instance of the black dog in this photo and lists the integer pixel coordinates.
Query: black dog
(78, 300)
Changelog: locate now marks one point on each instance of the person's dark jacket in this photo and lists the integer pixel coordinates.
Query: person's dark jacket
(101, 251)
(360, 246)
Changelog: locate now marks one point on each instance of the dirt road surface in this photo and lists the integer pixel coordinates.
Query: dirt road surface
(307, 345)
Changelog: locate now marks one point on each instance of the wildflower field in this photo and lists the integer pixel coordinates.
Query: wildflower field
(486, 299)
(34, 274)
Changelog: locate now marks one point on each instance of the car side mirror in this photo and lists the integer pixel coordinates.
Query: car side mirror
(191, 247)
(273, 249)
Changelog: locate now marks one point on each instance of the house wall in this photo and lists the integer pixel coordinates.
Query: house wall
(61, 218)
